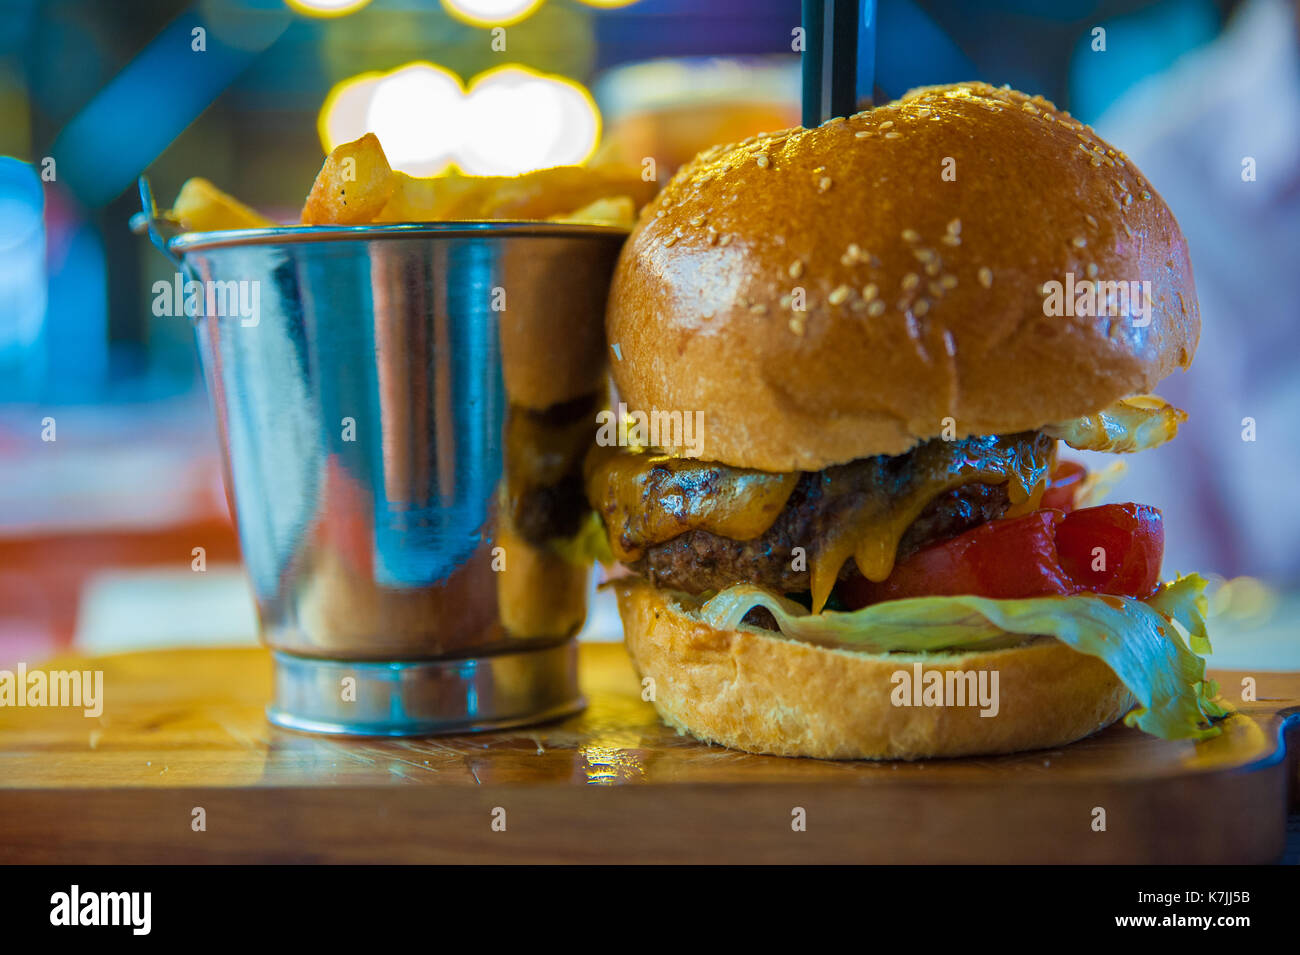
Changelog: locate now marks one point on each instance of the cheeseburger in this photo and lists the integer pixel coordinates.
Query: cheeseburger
(886, 327)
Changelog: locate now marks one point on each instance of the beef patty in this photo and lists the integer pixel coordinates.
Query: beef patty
(825, 508)
(698, 561)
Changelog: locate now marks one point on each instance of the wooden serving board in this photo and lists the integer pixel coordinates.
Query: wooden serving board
(184, 730)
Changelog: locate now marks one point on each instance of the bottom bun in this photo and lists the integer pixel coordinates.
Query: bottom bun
(759, 692)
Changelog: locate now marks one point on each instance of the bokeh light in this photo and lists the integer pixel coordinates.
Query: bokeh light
(510, 120)
(491, 12)
(418, 113)
(326, 8)
(522, 120)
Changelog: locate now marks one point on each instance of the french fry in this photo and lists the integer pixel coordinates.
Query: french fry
(202, 207)
(439, 199)
(611, 210)
(353, 185)
(561, 189)
(602, 195)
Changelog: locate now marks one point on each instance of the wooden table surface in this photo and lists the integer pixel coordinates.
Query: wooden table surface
(183, 737)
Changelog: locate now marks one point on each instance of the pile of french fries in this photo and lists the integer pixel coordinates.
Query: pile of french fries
(357, 186)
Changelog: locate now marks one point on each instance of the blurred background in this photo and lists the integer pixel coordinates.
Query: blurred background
(109, 475)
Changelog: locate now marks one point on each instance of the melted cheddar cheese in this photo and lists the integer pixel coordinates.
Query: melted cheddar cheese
(646, 498)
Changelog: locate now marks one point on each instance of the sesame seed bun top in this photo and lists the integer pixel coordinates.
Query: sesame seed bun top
(918, 237)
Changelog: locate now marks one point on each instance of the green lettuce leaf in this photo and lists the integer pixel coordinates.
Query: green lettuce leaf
(1135, 638)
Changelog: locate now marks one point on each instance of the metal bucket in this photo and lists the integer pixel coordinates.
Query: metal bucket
(384, 396)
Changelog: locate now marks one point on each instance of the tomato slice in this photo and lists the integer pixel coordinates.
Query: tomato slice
(1063, 486)
(1038, 554)
(1011, 557)
(1113, 549)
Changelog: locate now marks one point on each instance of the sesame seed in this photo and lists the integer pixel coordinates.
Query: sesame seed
(862, 134)
(920, 308)
(886, 124)
(1092, 270)
(1079, 241)
(932, 268)
(1128, 199)
(876, 309)
(759, 309)
(824, 184)
(870, 291)
(762, 160)
(786, 301)
(892, 135)
(924, 255)
(948, 281)
(796, 323)
(1091, 221)
(1094, 161)
(910, 281)
(669, 241)
(951, 239)
(840, 295)
(725, 240)
(796, 268)
(911, 235)
(954, 227)
(858, 305)
(986, 276)
(923, 112)
(935, 289)
(697, 220)
(1145, 194)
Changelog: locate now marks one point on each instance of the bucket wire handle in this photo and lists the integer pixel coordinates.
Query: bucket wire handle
(150, 222)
